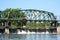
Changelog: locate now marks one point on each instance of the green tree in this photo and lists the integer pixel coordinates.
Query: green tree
(15, 16)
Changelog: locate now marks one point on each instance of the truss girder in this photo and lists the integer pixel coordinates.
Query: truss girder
(32, 14)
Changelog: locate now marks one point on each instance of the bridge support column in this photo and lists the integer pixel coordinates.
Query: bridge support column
(58, 30)
(6, 31)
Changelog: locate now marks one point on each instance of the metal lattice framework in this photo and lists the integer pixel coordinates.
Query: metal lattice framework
(32, 14)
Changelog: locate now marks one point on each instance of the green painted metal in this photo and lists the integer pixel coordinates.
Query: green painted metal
(32, 14)
(35, 17)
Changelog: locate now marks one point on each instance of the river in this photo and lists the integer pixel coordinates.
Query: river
(30, 37)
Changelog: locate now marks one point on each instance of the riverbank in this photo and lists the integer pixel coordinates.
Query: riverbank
(30, 31)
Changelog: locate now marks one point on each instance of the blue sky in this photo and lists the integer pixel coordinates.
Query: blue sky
(47, 5)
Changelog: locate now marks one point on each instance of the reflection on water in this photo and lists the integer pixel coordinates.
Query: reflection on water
(30, 37)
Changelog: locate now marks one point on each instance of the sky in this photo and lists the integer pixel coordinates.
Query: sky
(47, 5)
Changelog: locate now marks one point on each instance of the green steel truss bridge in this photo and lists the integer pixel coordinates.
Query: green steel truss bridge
(32, 14)
(36, 16)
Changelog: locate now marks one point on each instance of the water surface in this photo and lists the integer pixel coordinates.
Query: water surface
(30, 37)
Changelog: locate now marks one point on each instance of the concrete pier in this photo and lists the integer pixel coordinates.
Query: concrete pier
(58, 30)
(6, 31)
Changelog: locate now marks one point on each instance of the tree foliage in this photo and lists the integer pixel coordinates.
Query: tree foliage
(14, 14)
